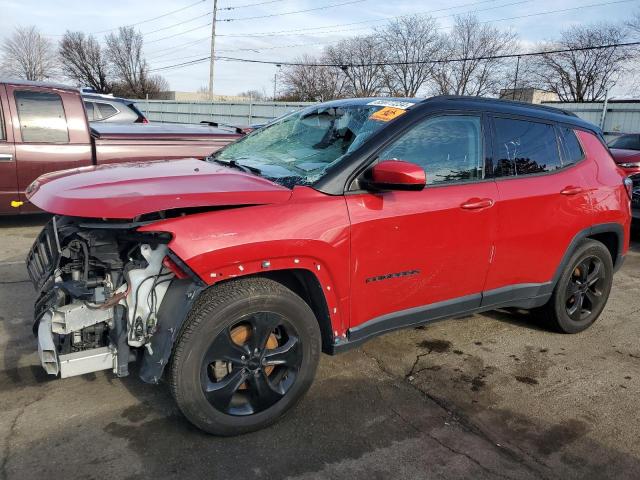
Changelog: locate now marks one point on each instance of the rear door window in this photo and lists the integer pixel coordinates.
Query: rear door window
(106, 110)
(524, 147)
(42, 118)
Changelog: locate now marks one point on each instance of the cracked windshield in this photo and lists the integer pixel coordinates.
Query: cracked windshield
(299, 148)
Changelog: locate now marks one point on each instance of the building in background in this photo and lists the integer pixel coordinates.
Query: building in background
(529, 95)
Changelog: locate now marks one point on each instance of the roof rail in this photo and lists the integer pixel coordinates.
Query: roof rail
(504, 100)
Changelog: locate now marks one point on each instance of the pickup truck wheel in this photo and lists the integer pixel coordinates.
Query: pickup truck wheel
(247, 353)
(582, 290)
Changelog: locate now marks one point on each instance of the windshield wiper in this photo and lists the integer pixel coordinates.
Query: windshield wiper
(236, 165)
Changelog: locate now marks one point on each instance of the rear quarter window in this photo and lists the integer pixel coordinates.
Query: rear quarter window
(571, 149)
(42, 118)
(524, 147)
(106, 110)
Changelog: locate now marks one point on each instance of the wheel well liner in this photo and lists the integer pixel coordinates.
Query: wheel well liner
(306, 285)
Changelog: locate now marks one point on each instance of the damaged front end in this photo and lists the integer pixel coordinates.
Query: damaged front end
(101, 290)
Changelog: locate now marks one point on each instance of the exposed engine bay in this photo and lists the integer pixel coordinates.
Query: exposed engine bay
(100, 289)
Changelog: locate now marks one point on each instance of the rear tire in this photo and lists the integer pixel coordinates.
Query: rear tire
(246, 355)
(582, 290)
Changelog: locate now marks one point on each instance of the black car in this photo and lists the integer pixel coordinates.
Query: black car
(107, 108)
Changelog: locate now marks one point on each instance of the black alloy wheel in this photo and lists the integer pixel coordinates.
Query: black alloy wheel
(582, 290)
(247, 353)
(251, 365)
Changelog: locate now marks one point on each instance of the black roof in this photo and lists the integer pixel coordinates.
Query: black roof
(543, 112)
(448, 102)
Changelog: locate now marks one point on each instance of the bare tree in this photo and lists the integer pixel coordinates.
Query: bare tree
(83, 61)
(364, 60)
(130, 69)
(27, 54)
(584, 74)
(408, 43)
(255, 95)
(634, 22)
(467, 70)
(312, 84)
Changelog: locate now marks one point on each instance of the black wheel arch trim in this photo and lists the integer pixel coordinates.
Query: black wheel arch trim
(614, 228)
(176, 305)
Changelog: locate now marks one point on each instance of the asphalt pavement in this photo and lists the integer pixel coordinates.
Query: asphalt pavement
(486, 396)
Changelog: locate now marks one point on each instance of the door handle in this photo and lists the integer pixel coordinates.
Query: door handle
(571, 190)
(477, 203)
(6, 157)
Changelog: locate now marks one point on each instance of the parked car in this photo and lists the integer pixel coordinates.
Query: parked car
(43, 128)
(107, 108)
(338, 223)
(626, 152)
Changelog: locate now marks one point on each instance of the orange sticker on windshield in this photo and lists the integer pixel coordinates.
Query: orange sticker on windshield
(386, 114)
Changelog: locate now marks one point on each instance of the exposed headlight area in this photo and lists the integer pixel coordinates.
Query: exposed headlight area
(100, 292)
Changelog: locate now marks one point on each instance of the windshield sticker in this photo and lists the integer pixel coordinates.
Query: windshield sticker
(391, 103)
(387, 114)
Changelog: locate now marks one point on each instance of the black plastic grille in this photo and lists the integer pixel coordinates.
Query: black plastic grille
(44, 255)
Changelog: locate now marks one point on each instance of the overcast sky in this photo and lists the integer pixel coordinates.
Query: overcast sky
(190, 39)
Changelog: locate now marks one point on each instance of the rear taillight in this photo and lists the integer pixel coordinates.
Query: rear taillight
(141, 119)
(175, 268)
(628, 184)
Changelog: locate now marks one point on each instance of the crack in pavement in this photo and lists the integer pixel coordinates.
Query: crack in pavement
(440, 442)
(512, 452)
(11, 282)
(7, 454)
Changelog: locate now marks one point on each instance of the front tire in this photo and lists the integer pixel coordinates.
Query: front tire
(582, 290)
(246, 355)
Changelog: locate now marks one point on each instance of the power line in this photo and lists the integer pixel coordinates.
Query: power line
(415, 62)
(178, 34)
(424, 12)
(324, 7)
(250, 49)
(169, 51)
(278, 33)
(177, 24)
(283, 32)
(143, 21)
(251, 5)
(422, 62)
(302, 30)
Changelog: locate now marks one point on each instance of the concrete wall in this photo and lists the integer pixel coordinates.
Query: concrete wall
(232, 113)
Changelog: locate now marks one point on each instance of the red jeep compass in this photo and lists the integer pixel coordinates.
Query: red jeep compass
(317, 232)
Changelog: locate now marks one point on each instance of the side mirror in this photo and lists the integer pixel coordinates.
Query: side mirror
(396, 175)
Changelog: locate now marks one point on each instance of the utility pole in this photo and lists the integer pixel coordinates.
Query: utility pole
(213, 48)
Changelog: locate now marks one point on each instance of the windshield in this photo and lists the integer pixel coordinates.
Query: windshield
(299, 148)
(627, 142)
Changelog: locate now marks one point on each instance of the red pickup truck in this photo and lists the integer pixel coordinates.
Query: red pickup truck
(44, 128)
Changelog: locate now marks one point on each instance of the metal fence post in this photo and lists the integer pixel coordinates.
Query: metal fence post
(604, 109)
